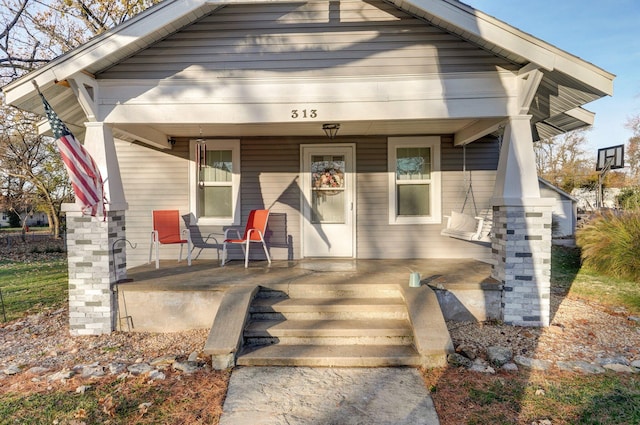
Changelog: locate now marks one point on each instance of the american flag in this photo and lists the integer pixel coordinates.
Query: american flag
(82, 169)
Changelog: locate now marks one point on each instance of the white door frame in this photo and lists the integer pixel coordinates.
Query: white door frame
(350, 201)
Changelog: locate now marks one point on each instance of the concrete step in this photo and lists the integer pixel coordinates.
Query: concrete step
(340, 289)
(329, 332)
(327, 308)
(384, 313)
(330, 356)
(328, 340)
(324, 328)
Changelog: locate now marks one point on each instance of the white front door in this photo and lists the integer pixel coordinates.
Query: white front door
(328, 200)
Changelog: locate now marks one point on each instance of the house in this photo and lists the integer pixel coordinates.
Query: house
(218, 107)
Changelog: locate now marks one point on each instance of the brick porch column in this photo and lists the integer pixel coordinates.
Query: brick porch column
(521, 247)
(93, 269)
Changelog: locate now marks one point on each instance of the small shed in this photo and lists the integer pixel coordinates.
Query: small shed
(565, 209)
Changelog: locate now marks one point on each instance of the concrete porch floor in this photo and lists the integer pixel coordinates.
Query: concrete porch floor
(208, 275)
(177, 297)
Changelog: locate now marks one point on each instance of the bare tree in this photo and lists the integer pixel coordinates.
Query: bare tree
(563, 160)
(33, 172)
(633, 150)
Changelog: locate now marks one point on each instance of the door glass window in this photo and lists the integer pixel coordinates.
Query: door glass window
(327, 189)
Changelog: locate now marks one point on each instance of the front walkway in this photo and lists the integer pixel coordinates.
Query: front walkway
(327, 396)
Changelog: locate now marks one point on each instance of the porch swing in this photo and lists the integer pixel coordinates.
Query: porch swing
(461, 225)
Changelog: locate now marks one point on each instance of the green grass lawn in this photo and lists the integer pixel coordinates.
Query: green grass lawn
(30, 287)
(567, 276)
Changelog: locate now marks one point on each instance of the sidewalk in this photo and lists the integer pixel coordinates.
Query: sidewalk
(327, 396)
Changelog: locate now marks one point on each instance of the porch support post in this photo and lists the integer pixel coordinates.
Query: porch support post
(98, 141)
(95, 246)
(521, 237)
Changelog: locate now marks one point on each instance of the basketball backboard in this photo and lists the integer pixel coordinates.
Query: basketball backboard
(611, 157)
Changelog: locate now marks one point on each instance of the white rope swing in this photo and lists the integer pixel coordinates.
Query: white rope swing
(465, 226)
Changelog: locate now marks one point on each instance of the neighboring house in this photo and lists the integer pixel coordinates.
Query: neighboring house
(36, 219)
(565, 209)
(217, 107)
(4, 219)
(588, 198)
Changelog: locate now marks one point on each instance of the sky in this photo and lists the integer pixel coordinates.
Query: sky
(603, 32)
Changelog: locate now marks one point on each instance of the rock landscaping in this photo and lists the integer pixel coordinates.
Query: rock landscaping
(583, 338)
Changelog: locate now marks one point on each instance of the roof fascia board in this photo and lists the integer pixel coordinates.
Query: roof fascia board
(583, 115)
(122, 36)
(501, 34)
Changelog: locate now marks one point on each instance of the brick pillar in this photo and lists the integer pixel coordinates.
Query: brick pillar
(521, 247)
(93, 269)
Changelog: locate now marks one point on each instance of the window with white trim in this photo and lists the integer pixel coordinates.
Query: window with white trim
(215, 182)
(414, 180)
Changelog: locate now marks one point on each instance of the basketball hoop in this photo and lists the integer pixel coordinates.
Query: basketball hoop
(611, 158)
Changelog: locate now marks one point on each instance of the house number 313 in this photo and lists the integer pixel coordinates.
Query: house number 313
(304, 113)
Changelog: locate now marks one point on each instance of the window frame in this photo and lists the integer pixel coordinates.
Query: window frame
(194, 200)
(435, 182)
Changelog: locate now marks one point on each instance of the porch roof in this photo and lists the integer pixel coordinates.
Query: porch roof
(568, 78)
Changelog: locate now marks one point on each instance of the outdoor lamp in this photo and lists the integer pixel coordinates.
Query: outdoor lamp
(331, 129)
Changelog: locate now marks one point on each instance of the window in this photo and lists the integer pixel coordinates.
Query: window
(414, 180)
(215, 182)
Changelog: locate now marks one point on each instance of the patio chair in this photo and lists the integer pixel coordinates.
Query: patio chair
(166, 230)
(253, 232)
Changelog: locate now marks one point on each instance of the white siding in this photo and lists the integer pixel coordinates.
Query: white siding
(152, 179)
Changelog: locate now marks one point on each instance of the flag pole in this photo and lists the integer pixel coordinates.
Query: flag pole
(36, 86)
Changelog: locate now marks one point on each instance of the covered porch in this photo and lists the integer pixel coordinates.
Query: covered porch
(312, 312)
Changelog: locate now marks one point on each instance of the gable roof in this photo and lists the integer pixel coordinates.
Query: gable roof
(572, 81)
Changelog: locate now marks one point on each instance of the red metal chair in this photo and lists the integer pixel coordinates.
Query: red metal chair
(253, 232)
(166, 230)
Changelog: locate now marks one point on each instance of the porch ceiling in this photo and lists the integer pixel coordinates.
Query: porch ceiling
(350, 128)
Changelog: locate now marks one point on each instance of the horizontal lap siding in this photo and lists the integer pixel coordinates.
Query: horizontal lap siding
(350, 38)
(270, 174)
(152, 179)
(379, 239)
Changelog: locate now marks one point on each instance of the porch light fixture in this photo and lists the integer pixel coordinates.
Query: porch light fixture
(331, 129)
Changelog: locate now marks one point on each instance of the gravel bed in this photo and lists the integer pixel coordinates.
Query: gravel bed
(579, 331)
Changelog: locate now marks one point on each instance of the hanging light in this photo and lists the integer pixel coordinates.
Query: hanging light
(331, 129)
